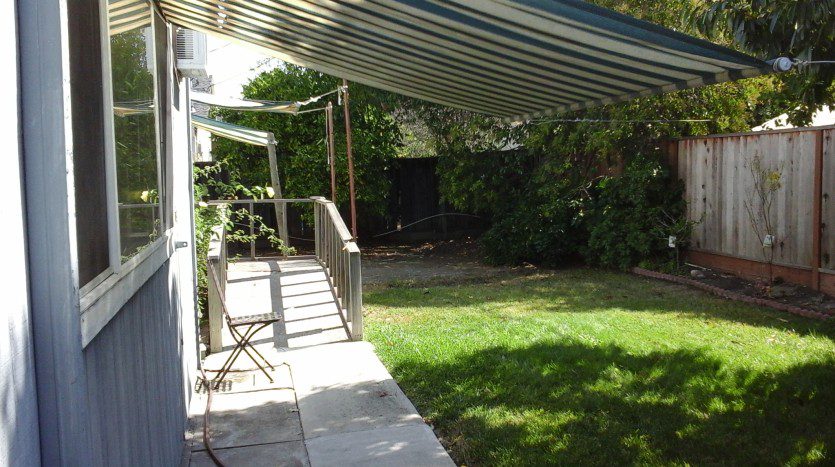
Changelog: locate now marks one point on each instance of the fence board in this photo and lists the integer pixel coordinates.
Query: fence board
(717, 180)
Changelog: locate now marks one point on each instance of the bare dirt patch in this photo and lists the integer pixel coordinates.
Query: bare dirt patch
(441, 261)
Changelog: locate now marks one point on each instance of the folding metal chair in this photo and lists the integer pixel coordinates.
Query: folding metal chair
(252, 324)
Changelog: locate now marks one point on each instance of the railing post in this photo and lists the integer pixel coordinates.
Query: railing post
(317, 226)
(251, 230)
(216, 264)
(355, 287)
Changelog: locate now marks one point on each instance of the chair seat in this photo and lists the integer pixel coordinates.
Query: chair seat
(263, 318)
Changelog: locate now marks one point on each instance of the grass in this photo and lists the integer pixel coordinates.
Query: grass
(593, 367)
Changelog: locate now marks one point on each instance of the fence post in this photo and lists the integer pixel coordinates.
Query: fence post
(817, 210)
(672, 158)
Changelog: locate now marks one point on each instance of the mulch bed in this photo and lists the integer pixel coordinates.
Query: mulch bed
(790, 298)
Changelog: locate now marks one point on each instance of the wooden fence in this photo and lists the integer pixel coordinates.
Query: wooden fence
(718, 182)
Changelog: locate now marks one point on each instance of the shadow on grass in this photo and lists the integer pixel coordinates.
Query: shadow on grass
(585, 290)
(570, 403)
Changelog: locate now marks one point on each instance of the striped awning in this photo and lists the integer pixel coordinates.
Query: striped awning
(233, 132)
(517, 59)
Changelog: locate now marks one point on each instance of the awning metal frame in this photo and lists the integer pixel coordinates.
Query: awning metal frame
(257, 138)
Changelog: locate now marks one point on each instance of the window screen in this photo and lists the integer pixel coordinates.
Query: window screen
(88, 139)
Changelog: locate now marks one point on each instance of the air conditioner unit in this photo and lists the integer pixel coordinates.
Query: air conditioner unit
(191, 53)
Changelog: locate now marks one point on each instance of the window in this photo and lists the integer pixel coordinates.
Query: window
(118, 73)
(133, 84)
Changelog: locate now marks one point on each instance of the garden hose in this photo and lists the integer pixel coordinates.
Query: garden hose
(206, 439)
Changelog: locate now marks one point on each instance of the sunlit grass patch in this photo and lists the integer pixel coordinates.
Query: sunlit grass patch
(595, 367)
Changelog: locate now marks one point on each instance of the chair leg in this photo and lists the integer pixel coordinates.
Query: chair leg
(242, 341)
(252, 347)
(246, 343)
(227, 366)
(236, 352)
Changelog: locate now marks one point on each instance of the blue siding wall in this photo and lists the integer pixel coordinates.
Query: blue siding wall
(135, 379)
(19, 438)
(19, 443)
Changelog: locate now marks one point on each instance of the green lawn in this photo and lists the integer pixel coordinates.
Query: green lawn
(593, 367)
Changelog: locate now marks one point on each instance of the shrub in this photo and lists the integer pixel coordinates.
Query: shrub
(541, 234)
(627, 216)
(552, 209)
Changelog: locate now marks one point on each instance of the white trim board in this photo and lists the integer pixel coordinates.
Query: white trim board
(104, 302)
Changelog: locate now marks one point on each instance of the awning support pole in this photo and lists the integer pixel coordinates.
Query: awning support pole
(331, 149)
(280, 208)
(350, 159)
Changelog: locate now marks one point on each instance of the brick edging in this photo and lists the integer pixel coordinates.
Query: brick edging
(795, 310)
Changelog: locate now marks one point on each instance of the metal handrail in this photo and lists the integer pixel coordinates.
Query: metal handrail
(339, 255)
(215, 202)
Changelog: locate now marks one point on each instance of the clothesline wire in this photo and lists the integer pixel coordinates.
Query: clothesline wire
(264, 62)
(601, 120)
(310, 110)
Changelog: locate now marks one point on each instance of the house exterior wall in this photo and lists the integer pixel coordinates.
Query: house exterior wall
(140, 366)
(137, 411)
(19, 443)
(74, 394)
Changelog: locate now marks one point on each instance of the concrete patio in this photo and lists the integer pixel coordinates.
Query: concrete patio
(332, 401)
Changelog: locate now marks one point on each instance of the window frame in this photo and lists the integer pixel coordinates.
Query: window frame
(102, 297)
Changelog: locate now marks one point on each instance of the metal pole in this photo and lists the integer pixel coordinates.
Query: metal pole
(331, 149)
(350, 160)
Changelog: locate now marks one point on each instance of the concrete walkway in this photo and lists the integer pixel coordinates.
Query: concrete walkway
(332, 401)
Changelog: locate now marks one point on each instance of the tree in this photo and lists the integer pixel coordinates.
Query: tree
(759, 204)
(802, 29)
(300, 148)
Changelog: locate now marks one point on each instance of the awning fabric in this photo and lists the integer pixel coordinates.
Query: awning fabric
(517, 59)
(241, 104)
(127, 15)
(234, 132)
(289, 107)
(127, 109)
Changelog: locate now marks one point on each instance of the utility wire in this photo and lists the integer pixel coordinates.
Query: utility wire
(261, 64)
(221, 47)
(601, 120)
(813, 62)
(425, 219)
